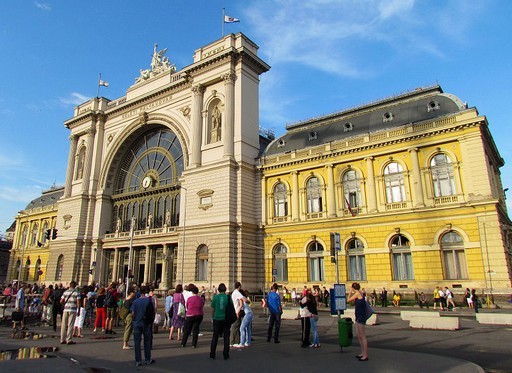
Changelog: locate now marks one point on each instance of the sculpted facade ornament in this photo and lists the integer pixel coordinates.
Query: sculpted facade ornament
(143, 118)
(186, 111)
(229, 78)
(159, 64)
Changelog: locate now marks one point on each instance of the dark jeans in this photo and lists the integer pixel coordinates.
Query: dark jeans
(140, 330)
(275, 318)
(220, 327)
(192, 325)
(56, 310)
(306, 329)
(235, 331)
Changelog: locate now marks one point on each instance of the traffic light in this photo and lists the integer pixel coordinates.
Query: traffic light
(47, 234)
(90, 271)
(54, 233)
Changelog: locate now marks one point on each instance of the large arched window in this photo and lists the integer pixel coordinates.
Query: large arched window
(394, 182)
(314, 195)
(454, 257)
(316, 261)
(33, 235)
(402, 258)
(280, 200)
(37, 270)
(441, 169)
(46, 226)
(17, 269)
(202, 263)
(351, 192)
(24, 236)
(60, 267)
(356, 260)
(147, 180)
(26, 270)
(280, 268)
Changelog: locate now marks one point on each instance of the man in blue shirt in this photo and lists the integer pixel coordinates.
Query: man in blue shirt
(275, 309)
(142, 326)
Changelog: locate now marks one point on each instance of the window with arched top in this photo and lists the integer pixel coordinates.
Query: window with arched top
(454, 257)
(351, 191)
(280, 265)
(441, 169)
(401, 257)
(46, 226)
(394, 182)
(314, 195)
(24, 236)
(316, 261)
(356, 260)
(60, 267)
(37, 270)
(17, 268)
(26, 270)
(280, 200)
(33, 234)
(202, 263)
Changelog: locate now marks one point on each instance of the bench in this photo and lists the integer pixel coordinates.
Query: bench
(290, 314)
(406, 315)
(436, 323)
(494, 318)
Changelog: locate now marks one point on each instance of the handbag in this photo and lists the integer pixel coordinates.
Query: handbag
(181, 310)
(241, 314)
(368, 311)
(230, 312)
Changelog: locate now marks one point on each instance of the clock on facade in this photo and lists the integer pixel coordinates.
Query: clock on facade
(146, 182)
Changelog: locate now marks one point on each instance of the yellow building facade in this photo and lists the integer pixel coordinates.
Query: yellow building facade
(412, 186)
(32, 240)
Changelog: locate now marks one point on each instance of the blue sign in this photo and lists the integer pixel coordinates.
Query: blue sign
(338, 299)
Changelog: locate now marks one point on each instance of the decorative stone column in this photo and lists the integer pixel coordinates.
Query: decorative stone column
(115, 267)
(197, 124)
(331, 195)
(71, 165)
(372, 197)
(228, 138)
(88, 159)
(418, 198)
(147, 264)
(295, 196)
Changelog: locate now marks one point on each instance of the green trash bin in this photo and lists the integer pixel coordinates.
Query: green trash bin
(345, 331)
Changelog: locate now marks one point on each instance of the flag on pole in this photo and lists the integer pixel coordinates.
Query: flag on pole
(103, 83)
(228, 19)
(350, 207)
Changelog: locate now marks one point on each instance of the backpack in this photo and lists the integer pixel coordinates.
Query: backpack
(110, 300)
(230, 312)
(149, 318)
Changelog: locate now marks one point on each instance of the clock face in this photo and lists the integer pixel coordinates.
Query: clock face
(146, 182)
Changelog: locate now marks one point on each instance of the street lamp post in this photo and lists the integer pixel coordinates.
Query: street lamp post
(183, 240)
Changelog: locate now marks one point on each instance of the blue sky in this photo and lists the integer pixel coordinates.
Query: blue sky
(326, 55)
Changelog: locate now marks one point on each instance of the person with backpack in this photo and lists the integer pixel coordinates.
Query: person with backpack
(221, 326)
(143, 314)
(127, 317)
(101, 314)
(111, 296)
(57, 307)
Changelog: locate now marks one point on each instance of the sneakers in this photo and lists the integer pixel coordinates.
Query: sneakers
(237, 345)
(246, 345)
(127, 347)
(200, 334)
(149, 362)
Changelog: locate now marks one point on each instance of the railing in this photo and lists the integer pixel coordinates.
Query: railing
(445, 200)
(396, 206)
(315, 215)
(280, 219)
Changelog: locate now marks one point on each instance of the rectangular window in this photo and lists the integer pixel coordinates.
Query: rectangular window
(357, 267)
(316, 269)
(402, 265)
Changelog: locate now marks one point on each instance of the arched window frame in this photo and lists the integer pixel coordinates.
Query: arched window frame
(46, 226)
(441, 171)
(33, 235)
(351, 184)
(394, 183)
(26, 270)
(454, 256)
(202, 263)
(356, 260)
(59, 268)
(314, 196)
(280, 263)
(280, 199)
(401, 258)
(316, 272)
(37, 269)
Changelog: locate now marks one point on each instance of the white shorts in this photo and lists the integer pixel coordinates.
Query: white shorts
(79, 321)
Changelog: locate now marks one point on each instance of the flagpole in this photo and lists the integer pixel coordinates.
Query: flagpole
(98, 89)
(223, 15)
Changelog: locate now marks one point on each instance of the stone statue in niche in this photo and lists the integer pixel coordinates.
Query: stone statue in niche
(118, 225)
(216, 132)
(150, 221)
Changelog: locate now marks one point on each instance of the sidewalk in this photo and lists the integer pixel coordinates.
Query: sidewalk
(92, 354)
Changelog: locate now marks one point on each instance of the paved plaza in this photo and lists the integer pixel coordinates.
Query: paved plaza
(394, 347)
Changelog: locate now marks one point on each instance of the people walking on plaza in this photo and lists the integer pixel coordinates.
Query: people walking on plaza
(305, 320)
(246, 325)
(467, 298)
(101, 313)
(168, 310)
(276, 310)
(384, 297)
(143, 314)
(90, 305)
(195, 312)
(438, 294)
(70, 302)
(111, 298)
(127, 317)
(46, 300)
(220, 325)
(235, 327)
(19, 305)
(80, 319)
(373, 298)
(57, 307)
(360, 316)
(312, 306)
(178, 316)
(449, 299)
(474, 300)
(326, 297)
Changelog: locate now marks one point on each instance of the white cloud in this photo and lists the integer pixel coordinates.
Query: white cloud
(74, 99)
(43, 6)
